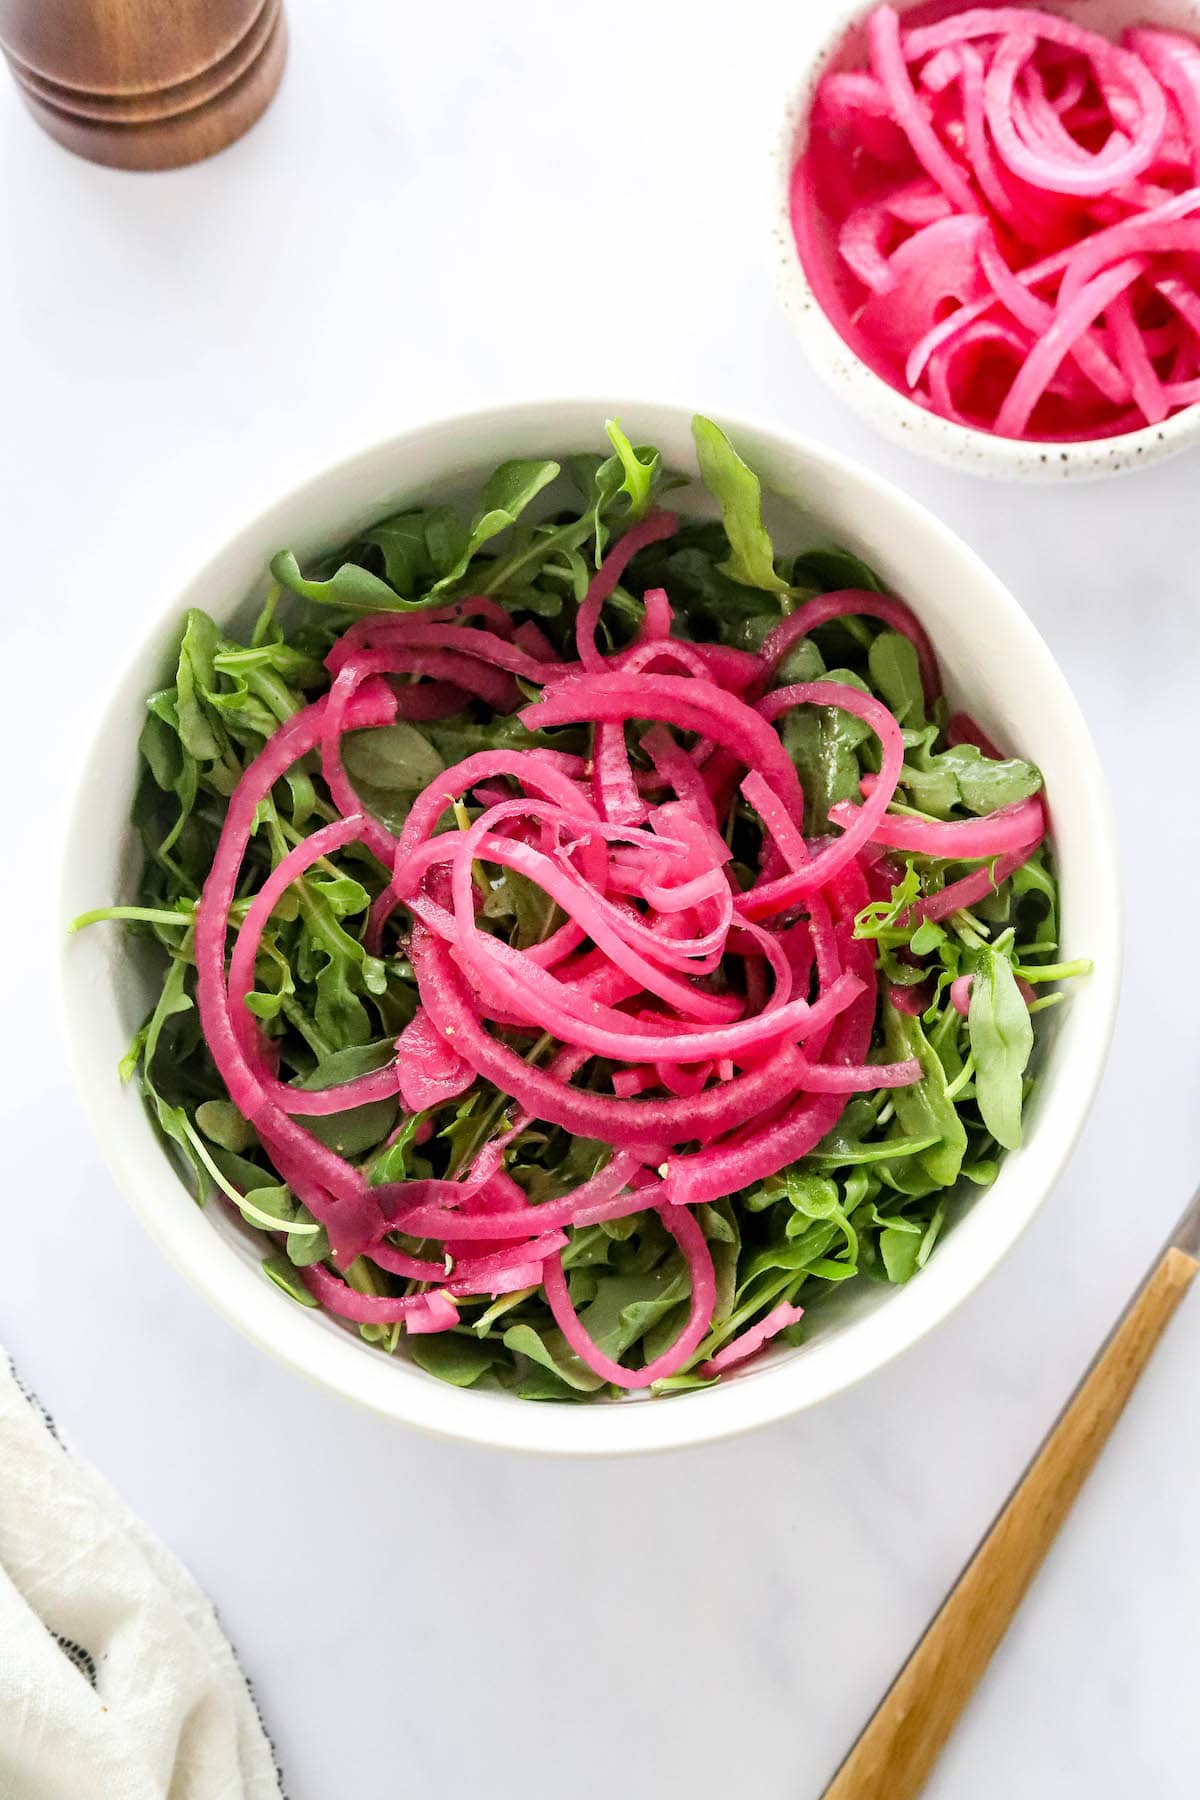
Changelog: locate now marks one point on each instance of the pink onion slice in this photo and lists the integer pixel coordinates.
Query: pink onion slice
(859, 603)
(349, 1213)
(938, 264)
(970, 889)
(382, 1083)
(428, 1070)
(749, 1342)
(1135, 361)
(1175, 60)
(889, 67)
(774, 896)
(688, 1235)
(651, 530)
(861, 240)
(1010, 828)
(1069, 325)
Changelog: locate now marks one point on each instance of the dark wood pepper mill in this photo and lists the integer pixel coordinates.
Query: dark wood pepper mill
(145, 84)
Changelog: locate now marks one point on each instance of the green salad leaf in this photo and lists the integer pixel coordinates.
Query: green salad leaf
(506, 494)
(350, 586)
(1001, 1032)
(751, 557)
(640, 469)
(925, 1109)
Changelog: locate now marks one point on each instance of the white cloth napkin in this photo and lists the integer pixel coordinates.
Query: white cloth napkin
(116, 1681)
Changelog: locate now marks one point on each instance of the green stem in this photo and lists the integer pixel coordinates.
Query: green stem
(267, 1221)
(148, 915)
(571, 535)
(965, 926)
(784, 1285)
(1058, 971)
(296, 1016)
(266, 616)
(955, 1087)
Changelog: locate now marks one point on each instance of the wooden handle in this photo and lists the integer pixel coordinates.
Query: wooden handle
(893, 1757)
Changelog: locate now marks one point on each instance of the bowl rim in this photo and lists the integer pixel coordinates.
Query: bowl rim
(330, 1356)
(899, 418)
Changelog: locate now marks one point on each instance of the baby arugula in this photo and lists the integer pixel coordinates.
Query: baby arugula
(870, 1201)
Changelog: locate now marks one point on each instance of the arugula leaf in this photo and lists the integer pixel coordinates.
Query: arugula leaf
(452, 1356)
(719, 1222)
(416, 547)
(896, 675)
(813, 1196)
(735, 485)
(444, 539)
(793, 1254)
(395, 757)
(400, 541)
(843, 1154)
(362, 1127)
(601, 479)
(881, 917)
(172, 1118)
(985, 786)
(924, 1109)
(962, 776)
(308, 1242)
(640, 468)
(505, 495)
(827, 570)
(803, 662)
(549, 1349)
(350, 587)
(824, 743)
(900, 1248)
(514, 896)
(160, 745)
(195, 677)
(392, 1164)
(279, 1270)
(454, 739)
(626, 1306)
(1001, 1042)
(223, 1124)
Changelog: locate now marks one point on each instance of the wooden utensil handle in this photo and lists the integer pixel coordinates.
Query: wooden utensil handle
(893, 1757)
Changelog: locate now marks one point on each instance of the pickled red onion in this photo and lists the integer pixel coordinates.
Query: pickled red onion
(1054, 156)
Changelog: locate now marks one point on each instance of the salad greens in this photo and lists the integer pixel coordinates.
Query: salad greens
(958, 994)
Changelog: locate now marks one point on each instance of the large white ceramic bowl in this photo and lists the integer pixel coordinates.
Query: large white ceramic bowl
(996, 665)
(834, 38)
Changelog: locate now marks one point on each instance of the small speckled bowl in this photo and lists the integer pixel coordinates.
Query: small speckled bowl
(841, 46)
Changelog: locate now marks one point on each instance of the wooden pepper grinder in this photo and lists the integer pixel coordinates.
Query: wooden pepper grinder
(145, 84)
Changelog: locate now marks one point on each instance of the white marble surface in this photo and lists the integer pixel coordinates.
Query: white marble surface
(447, 204)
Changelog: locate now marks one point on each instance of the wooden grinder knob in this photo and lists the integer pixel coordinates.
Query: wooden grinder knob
(145, 84)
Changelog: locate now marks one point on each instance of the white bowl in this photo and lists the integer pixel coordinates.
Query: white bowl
(893, 413)
(996, 665)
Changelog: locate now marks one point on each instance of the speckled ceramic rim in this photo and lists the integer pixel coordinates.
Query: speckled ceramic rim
(996, 665)
(884, 406)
